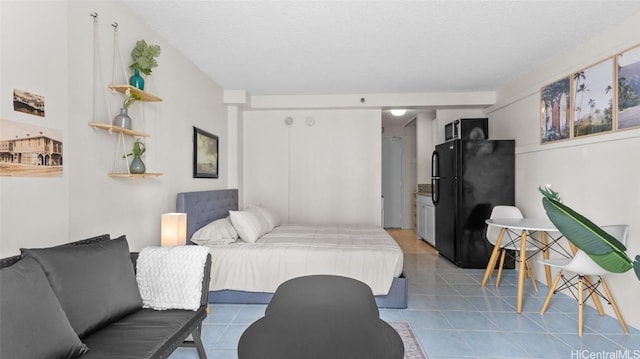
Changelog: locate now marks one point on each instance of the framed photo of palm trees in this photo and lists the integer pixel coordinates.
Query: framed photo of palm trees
(593, 99)
(555, 111)
(599, 99)
(629, 88)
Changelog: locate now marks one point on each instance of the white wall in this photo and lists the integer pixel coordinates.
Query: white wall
(424, 146)
(597, 176)
(85, 201)
(326, 173)
(35, 211)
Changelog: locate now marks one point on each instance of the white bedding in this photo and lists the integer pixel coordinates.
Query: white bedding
(366, 253)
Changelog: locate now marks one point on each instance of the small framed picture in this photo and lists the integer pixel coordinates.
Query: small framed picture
(593, 99)
(629, 88)
(205, 154)
(555, 111)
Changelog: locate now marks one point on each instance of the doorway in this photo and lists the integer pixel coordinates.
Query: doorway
(392, 182)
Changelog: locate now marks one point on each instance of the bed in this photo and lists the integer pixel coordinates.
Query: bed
(374, 251)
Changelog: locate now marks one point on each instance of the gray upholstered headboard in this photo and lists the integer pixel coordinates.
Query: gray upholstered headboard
(203, 207)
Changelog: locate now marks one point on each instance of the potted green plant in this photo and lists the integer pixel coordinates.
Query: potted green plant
(143, 56)
(137, 166)
(131, 98)
(602, 247)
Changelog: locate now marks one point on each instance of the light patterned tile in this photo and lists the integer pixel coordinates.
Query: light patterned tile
(542, 345)
(493, 344)
(426, 319)
(469, 320)
(437, 342)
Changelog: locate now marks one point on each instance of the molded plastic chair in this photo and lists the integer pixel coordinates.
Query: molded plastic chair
(509, 241)
(584, 266)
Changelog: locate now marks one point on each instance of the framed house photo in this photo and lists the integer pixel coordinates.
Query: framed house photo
(629, 88)
(555, 111)
(205, 154)
(593, 99)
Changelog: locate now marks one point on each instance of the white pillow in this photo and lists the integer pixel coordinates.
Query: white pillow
(247, 224)
(266, 227)
(220, 231)
(269, 215)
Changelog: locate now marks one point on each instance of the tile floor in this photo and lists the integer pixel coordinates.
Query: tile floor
(453, 317)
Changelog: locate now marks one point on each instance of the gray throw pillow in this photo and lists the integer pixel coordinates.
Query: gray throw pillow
(33, 324)
(95, 283)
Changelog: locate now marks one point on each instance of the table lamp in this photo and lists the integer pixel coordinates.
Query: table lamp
(173, 229)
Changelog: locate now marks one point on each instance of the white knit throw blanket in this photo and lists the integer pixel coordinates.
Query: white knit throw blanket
(171, 277)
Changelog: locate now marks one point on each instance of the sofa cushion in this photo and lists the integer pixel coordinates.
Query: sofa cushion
(95, 283)
(33, 323)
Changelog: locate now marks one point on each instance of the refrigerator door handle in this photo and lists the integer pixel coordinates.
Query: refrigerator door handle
(435, 177)
(435, 165)
(435, 188)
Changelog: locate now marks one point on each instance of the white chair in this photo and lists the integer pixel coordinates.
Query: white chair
(509, 241)
(583, 266)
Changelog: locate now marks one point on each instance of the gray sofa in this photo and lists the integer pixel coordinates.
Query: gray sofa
(81, 300)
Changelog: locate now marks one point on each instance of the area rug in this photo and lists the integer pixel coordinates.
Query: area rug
(412, 348)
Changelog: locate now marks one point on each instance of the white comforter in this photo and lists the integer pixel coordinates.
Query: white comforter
(366, 253)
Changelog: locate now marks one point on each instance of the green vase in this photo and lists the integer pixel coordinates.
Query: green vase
(137, 166)
(136, 80)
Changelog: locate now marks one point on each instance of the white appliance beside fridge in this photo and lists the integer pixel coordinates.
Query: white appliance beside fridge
(426, 219)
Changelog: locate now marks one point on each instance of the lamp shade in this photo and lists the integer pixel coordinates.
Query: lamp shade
(173, 229)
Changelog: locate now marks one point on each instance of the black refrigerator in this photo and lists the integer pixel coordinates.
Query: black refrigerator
(469, 178)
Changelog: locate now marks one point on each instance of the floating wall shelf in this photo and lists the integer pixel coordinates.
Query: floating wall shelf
(134, 175)
(118, 129)
(144, 96)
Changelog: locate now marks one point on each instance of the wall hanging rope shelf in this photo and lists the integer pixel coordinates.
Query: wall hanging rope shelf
(134, 175)
(121, 155)
(144, 96)
(117, 129)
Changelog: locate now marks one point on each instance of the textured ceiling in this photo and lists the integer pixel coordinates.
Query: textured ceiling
(347, 47)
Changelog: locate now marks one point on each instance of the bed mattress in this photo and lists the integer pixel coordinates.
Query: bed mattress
(366, 253)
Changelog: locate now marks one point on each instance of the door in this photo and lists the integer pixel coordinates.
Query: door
(392, 181)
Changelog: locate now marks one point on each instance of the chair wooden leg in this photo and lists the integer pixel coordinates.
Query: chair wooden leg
(530, 272)
(545, 255)
(521, 272)
(595, 297)
(580, 305)
(551, 290)
(614, 306)
(494, 257)
(502, 255)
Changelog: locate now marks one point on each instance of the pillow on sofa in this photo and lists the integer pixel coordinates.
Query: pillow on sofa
(33, 323)
(247, 224)
(91, 240)
(95, 283)
(220, 231)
